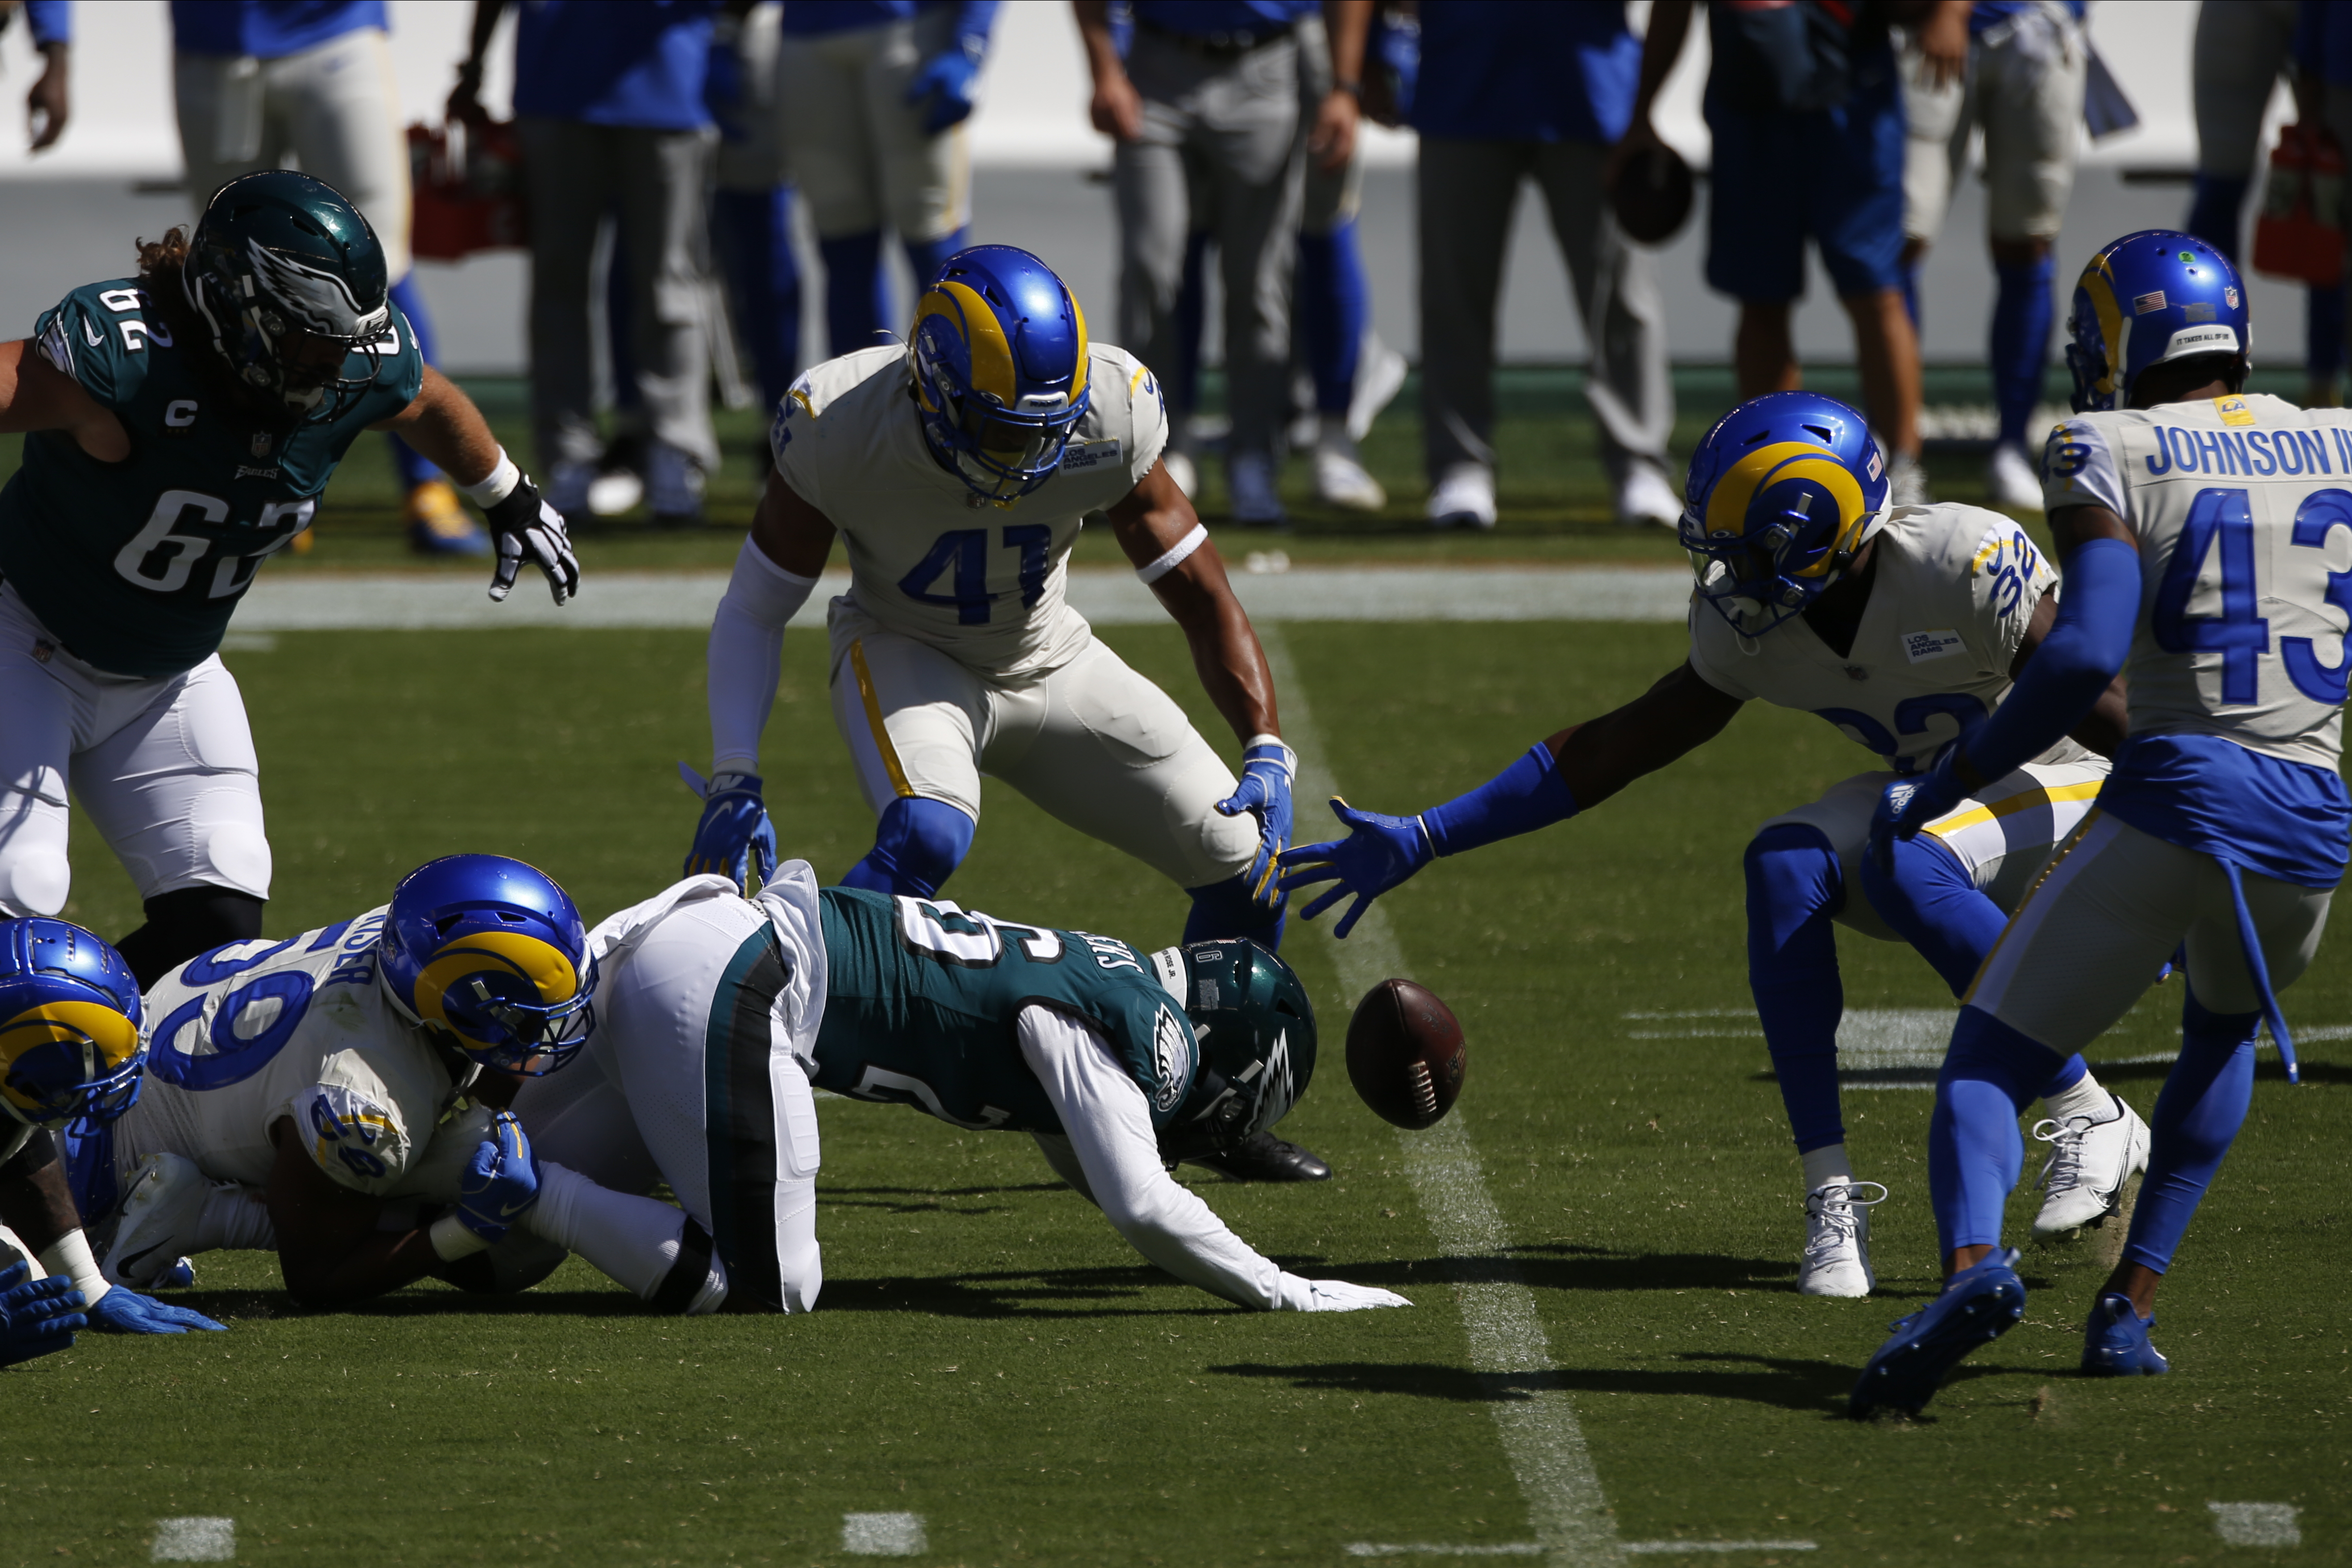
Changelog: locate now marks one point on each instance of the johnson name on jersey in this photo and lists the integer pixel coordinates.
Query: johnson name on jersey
(2242, 509)
(137, 565)
(258, 1031)
(922, 1001)
(1952, 592)
(981, 583)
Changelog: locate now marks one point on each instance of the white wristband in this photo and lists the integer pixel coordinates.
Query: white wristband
(452, 1240)
(1175, 556)
(71, 1256)
(502, 482)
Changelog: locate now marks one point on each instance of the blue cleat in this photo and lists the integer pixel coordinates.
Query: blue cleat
(2114, 1341)
(1978, 1305)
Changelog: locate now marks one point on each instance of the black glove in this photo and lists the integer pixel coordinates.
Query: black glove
(526, 525)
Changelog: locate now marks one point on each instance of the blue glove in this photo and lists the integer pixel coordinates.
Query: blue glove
(1267, 769)
(1377, 853)
(36, 1318)
(127, 1311)
(734, 837)
(947, 78)
(1910, 804)
(500, 1182)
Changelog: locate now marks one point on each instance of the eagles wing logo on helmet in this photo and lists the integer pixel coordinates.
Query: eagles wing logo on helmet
(1276, 1088)
(1172, 1061)
(319, 301)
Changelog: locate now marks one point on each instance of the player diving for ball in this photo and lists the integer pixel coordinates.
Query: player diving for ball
(2202, 532)
(958, 470)
(70, 1055)
(321, 1095)
(182, 425)
(1904, 627)
(718, 1016)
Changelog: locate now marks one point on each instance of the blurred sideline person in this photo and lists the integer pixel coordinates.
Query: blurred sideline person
(48, 104)
(608, 99)
(71, 1051)
(1206, 101)
(1806, 108)
(752, 200)
(719, 1018)
(872, 97)
(182, 424)
(255, 80)
(957, 471)
(1809, 582)
(2015, 67)
(1507, 93)
(2322, 90)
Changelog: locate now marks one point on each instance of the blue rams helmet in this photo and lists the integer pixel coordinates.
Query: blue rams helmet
(70, 1044)
(1256, 1032)
(1782, 492)
(2148, 298)
(999, 353)
(289, 281)
(490, 950)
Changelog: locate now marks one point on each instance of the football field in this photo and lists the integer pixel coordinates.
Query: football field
(1606, 1360)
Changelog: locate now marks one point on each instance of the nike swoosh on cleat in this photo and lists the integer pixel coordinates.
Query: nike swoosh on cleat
(127, 1264)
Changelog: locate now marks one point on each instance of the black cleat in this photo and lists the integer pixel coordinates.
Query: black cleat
(1265, 1157)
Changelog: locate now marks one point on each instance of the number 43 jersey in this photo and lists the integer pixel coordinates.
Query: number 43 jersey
(258, 1031)
(983, 584)
(136, 566)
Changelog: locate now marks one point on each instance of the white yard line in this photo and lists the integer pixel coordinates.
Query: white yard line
(194, 1540)
(1541, 1436)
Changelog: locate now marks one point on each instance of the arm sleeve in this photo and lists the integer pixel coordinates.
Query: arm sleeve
(1110, 1136)
(746, 657)
(2086, 646)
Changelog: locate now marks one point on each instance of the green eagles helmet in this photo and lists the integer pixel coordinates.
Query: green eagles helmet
(290, 281)
(1256, 1033)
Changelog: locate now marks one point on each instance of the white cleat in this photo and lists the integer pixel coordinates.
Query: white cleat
(1340, 480)
(1379, 376)
(568, 485)
(1464, 498)
(1646, 500)
(159, 1222)
(2088, 1165)
(2010, 483)
(1837, 1239)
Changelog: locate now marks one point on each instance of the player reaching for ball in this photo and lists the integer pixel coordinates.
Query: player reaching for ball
(1904, 627)
(958, 471)
(719, 1018)
(182, 426)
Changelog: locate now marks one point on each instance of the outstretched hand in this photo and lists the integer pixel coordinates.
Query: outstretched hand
(526, 526)
(121, 1311)
(1377, 853)
(1908, 805)
(1334, 1296)
(735, 837)
(38, 1316)
(1267, 769)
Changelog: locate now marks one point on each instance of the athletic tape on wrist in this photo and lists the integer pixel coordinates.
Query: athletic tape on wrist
(451, 1240)
(70, 1255)
(500, 484)
(1175, 556)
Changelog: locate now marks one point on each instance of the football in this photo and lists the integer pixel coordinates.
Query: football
(1405, 1054)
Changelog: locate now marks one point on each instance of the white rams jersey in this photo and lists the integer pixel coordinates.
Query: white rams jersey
(258, 1031)
(2242, 508)
(982, 583)
(1952, 590)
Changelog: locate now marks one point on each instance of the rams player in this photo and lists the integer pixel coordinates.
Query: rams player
(957, 471)
(300, 1091)
(71, 1055)
(2201, 531)
(717, 1018)
(1904, 627)
(182, 424)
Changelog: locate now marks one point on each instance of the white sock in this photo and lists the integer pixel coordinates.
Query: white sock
(234, 1217)
(1824, 1166)
(2085, 1099)
(634, 1240)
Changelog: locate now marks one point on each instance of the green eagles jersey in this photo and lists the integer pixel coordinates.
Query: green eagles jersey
(921, 1002)
(137, 565)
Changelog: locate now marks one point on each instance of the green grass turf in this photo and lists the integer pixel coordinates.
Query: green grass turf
(989, 1355)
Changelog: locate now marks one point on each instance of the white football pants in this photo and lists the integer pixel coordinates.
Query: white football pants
(857, 145)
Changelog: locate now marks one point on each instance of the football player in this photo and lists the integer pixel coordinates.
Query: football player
(182, 424)
(70, 1055)
(2199, 530)
(300, 1091)
(719, 1018)
(1901, 626)
(959, 471)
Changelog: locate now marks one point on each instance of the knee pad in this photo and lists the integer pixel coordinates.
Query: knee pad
(1793, 875)
(237, 856)
(917, 848)
(1223, 910)
(35, 881)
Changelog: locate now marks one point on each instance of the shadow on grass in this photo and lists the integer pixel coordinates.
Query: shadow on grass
(1567, 1266)
(927, 1200)
(1020, 1293)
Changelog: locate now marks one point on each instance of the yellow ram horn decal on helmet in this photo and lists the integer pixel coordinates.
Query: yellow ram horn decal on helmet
(2098, 282)
(1086, 350)
(114, 1037)
(550, 973)
(992, 355)
(1726, 508)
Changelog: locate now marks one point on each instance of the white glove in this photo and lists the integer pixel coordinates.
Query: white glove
(1298, 1295)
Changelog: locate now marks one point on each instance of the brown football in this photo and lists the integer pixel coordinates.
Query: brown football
(1405, 1054)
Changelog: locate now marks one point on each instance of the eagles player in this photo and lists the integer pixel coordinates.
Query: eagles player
(182, 426)
(1904, 627)
(2201, 531)
(300, 1091)
(719, 1018)
(70, 1055)
(959, 472)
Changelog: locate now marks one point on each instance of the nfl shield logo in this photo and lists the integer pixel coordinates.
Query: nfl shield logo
(261, 444)
(2230, 296)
